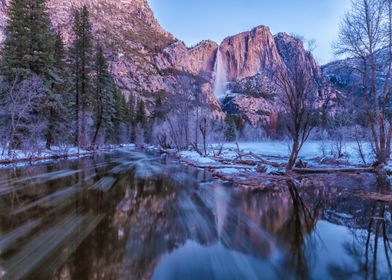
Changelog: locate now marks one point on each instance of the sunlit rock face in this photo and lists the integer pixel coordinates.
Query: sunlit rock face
(250, 59)
(248, 53)
(198, 60)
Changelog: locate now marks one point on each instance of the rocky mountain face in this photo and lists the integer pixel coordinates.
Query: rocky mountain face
(249, 58)
(145, 59)
(346, 77)
(247, 54)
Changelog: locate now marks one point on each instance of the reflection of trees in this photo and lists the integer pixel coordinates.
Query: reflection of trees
(289, 215)
(296, 233)
(376, 248)
(376, 232)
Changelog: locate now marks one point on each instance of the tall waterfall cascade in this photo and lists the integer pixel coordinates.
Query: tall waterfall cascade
(220, 76)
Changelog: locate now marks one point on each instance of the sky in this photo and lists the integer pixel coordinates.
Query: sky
(195, 20)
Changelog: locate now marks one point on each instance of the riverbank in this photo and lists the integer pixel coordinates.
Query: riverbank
(22, 157)
(256, 164)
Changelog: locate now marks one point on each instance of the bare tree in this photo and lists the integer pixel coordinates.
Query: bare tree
(364, 32)
(298, 87)
(21, 103)
(203, 130)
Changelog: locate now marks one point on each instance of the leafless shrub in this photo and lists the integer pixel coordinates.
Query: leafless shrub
(20, 107)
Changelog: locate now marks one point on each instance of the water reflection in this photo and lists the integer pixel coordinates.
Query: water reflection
(129, 215)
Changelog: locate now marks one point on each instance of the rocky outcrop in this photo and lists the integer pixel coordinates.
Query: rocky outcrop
(198, 60)
(249, 53)
(292, 51)
(250, 59)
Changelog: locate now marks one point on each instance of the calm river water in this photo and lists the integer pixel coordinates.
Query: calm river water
(128, 215)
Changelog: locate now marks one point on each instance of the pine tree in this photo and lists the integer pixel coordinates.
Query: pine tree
(230, 132)
(159, 111)
(29, 45)
(30, 50)
(81, 60)
(140, 118)
(131, 118)
(59, 100)
(120, 111)
(104, 99)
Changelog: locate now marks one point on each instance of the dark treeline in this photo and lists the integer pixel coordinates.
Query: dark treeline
(57, 95)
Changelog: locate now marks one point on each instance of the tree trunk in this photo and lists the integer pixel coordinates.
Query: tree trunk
(49, 135)
(293, 155)
(83, 130)
(97, 128)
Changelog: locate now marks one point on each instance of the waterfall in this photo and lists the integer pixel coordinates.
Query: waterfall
(220, 76)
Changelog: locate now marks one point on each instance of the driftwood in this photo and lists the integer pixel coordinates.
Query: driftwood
(213, 166)
(259, 158)
(376, 196)
(333, 170)
(256, 181)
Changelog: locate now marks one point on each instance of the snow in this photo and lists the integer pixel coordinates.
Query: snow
(272, 170)
(310, 150)
(228, 171)
(17, 156)
(316, 154)
(196, 158)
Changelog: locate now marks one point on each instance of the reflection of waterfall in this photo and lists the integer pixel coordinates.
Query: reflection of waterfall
(221, 205)
(220, 76)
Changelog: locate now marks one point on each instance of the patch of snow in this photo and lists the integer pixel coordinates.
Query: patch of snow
(41, 155)
(310, 150)
(196, 158)
(228, 171)
(270, 170)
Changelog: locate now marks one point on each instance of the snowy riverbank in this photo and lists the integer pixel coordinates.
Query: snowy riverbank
(56, 152)
(249, 161)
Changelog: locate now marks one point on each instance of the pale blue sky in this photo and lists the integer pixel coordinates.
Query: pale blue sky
(194, 20)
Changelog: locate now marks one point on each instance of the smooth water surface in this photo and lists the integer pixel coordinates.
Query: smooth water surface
(128, 215)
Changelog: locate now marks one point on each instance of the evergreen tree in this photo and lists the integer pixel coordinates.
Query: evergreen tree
(230, 132)
(30, 50)
(132, 117)
(59, 100)
(159, 112)
(104, 99)
(140, 118)
(82, 62)
(29, 45)
(120, 112)
(142, 125)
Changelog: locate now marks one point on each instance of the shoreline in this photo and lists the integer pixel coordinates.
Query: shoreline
(30, 160)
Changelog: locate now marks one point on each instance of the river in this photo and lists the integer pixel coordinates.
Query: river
(130, 215)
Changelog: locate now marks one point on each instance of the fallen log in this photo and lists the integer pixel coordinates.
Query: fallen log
(333, 170)
(259, 159)
(213, 166)
(376, 196)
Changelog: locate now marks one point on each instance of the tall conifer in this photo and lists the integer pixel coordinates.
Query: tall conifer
(82, 62)
(104, 95)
